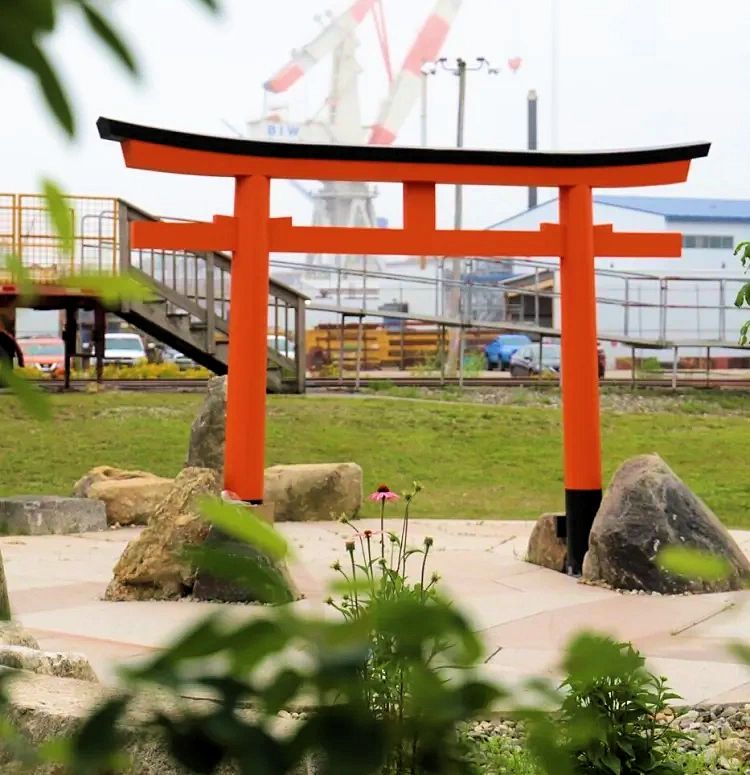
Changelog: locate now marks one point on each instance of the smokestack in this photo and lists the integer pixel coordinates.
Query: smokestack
(531, 103)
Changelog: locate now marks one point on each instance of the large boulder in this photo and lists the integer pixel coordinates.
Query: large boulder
(646, 508)
(152, 566)
(50, 515)
(130, 497)
(314, 492)
(546, 548)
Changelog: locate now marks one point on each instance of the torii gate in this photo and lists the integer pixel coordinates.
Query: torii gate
(251, 234)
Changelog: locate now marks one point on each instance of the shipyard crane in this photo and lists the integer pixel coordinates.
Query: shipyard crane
(339, 119)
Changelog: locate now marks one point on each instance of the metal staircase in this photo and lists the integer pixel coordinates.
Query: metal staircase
(190, 308)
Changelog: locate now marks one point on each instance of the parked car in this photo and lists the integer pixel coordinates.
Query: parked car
(45, 353)
(125, 349)
(499, 351)
(170, 355)
(525, 361)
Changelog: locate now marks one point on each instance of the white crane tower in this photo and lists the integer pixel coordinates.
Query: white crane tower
(339, 120)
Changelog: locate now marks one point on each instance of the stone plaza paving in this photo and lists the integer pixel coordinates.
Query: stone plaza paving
(525, 614)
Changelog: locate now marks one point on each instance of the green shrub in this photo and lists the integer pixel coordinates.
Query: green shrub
(608, 722)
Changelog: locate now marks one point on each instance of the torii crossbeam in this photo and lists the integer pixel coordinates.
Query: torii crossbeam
(251, 234)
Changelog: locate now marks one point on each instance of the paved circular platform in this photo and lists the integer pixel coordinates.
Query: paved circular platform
(525, 614)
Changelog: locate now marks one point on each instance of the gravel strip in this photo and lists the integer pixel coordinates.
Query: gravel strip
(720, 734)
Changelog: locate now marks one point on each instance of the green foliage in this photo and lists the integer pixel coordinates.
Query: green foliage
(743, 297)
(110, 289)
(474, 364)
(402, 676)
(24, 26)
(651, 365)
(32, 400)
(693, 564)
(62, 216)
(608, 723)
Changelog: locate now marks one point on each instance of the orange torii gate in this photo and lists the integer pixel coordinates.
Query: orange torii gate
(251, 234)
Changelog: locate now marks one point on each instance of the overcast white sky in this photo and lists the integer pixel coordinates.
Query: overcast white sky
(631, 73)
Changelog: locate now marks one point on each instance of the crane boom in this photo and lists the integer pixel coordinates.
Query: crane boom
(304, 59)
(405, 89)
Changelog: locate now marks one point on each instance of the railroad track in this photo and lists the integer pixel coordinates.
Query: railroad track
(349, 384)
(666, 383)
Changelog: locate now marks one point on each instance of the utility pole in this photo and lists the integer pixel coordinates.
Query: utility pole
(460, 68)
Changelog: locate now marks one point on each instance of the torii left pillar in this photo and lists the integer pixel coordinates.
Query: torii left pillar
(248, 323)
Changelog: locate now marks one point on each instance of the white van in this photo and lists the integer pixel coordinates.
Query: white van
(126, 349)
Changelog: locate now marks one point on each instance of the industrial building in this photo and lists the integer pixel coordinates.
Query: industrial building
(684, 300)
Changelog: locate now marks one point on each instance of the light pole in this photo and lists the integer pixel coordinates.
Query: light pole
(460, 68)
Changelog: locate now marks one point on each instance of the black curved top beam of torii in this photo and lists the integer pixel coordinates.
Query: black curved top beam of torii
(121, 132)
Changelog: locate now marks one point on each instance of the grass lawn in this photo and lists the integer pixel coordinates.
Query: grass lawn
(474, 461)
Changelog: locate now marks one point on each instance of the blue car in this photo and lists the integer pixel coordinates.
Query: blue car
(499, 351)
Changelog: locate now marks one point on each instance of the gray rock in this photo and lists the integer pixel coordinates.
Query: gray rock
(646, 509)
(50, 515)
(53, 663)
(266, 581)
(206, 448)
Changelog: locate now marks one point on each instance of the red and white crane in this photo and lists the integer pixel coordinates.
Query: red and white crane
(339, 119)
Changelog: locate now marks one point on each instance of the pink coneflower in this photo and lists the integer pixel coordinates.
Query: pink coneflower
(383, 493)
(369, 533)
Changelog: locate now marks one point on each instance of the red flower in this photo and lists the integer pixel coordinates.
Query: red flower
(383, 493)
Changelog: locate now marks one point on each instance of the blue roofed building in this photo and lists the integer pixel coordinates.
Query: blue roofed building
(699, 289)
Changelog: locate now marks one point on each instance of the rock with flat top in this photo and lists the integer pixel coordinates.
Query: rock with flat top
(50, 515)
(545, 547)
(647, 508)
(130, 497)
(314, 492)
(52, 663)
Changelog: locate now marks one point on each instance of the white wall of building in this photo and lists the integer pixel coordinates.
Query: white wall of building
(644, 319)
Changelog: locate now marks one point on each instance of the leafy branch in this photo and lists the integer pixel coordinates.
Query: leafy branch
(743, 296)
(26, 24)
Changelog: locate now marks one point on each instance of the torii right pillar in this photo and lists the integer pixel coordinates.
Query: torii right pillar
(580, 372)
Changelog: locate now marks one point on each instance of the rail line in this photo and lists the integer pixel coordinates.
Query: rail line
(350, 384)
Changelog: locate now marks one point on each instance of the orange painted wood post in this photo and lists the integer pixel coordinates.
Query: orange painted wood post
(580, 372)
(244, 451)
